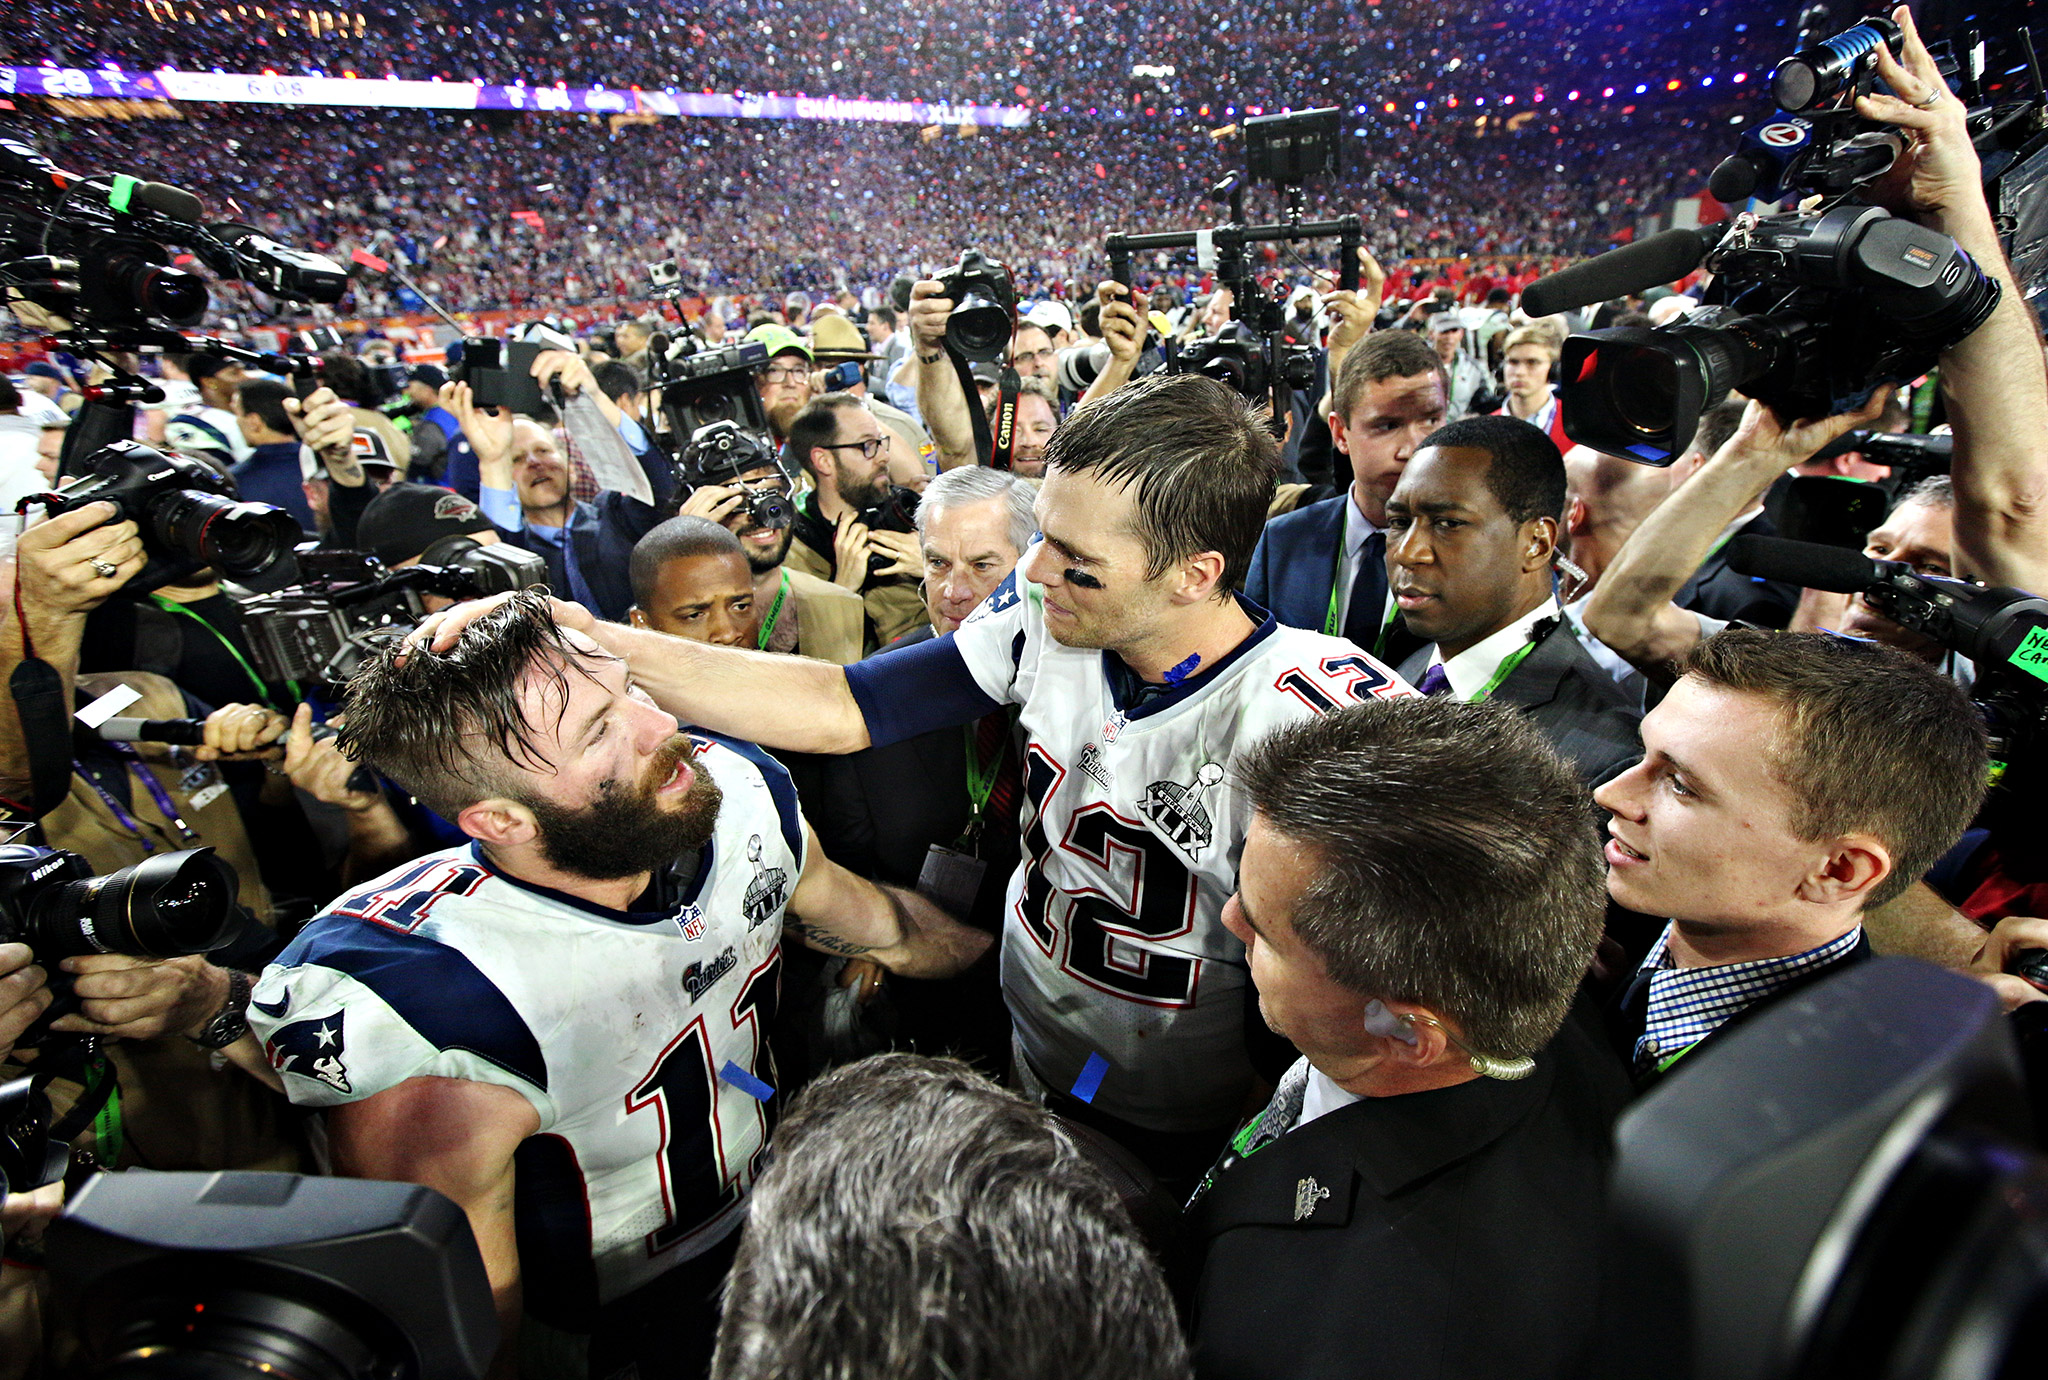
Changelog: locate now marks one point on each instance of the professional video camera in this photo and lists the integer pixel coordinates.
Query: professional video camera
(90, 250)
(696, 386)
(184, 1275)
(2003, 633)
(1809, 309)
(721, 453)
(984, 314)
(162, 907)
(349, 604)
(186, 512)
(1252, 355)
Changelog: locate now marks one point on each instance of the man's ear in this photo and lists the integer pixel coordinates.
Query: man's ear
(1337, 438)
(498, 822)
(1578, 518)
(1856, 865)
(635, 617)
(1539, 544)
(1199, 578)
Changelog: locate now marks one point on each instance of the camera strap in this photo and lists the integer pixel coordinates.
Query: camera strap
(994, 444)
(173, 607)
(39, 703)
(98, 1104)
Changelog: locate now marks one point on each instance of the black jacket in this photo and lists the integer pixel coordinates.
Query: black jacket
(1586, 716)
(1446, 1235)
(1719, 591)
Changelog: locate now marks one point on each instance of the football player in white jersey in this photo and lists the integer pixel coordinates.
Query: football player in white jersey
(1140, 673)
(563, 1026)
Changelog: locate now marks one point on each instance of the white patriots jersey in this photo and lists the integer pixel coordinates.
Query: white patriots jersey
(634, 1035)
(1114, 943)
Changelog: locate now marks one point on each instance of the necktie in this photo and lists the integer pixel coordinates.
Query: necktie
(1435, 682)
(1368, 593)
(992, 744)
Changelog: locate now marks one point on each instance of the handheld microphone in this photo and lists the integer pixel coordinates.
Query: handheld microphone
(1806, 564)
(183, 732)
(1763, 162)
(1623, 272)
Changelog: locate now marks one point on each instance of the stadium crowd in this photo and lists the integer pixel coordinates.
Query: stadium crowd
(1186, 882)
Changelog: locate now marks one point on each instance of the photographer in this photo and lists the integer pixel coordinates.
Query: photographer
(941, 403)
(525, 489)
(839, 536)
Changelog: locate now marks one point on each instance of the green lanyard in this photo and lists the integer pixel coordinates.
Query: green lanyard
(262, 691)
(1664, 1064)
(1504, 670)
(774, 614)
(1333, 624)
(981, 780)
(109, 1136)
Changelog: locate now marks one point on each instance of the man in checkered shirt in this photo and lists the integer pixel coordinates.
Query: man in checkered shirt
(1791, 783)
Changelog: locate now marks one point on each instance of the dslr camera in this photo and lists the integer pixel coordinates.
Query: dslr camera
(984, 313)
(162, 907)
(187, 513)
(1247, 361)
(1809, 309)
(723, 451)
(349, 604)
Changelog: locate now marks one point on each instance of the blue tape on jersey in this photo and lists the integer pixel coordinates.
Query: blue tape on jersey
(746, 1082)
(1090, 1081)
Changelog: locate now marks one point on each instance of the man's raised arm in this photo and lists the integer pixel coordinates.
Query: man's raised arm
(940, 400)
(1994, 381)
(1631, 609)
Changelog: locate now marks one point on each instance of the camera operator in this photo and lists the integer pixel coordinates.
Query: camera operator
(272, 473)
(1993, 382)
(784, 382)
(616, 1097)
(525, 490)
(839, 536)
(943, 406)
(800, 613)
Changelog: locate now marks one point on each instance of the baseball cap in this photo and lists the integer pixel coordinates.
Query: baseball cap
(779, 340)
(835, 338)
(406, 519)
(372, 452)
(1445, 321)
(199, 367)
(429, 374)
(986, 371)
(43, 369)
(1051, 316)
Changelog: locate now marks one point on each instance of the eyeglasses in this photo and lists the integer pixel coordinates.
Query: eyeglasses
(1030, 356)
(783, 373)
(868, 448)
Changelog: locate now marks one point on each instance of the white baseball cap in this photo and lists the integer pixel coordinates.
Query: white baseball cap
(1051, 316)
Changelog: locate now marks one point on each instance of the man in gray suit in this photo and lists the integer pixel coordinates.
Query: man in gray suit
(1472, 530)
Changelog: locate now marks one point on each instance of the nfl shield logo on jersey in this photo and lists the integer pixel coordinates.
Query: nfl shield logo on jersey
(691, 918)
(311, 1049)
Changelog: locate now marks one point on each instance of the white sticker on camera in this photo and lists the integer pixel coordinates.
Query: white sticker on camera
(108, 705)
(206, 796)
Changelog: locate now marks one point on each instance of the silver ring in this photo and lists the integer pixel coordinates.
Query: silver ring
(1933, 99)
(106, 570)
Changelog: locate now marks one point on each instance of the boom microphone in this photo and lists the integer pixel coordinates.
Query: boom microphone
(1807, 564)
(1622, 272)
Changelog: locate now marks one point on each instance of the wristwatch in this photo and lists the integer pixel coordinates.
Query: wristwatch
(231, 1022)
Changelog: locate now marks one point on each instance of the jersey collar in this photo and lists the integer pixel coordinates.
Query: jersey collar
(1137, 698)
(665, 887)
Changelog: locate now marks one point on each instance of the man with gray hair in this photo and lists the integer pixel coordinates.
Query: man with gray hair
(921, 1223)
(974, 525)
(1419, 896)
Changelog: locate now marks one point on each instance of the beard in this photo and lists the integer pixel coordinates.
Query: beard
(761, 562)
(781, 414)
(625, 831)
(871, 493)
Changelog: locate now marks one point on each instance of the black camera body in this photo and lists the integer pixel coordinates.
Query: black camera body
(1810, 311)
(187, 514)
(720, 453)
(697, 387)
(1247, 361)
(896, 513)
(984, 315)
(162, 907)
(319, 631)
(249, 1273)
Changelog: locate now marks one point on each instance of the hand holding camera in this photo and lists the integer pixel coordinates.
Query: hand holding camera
(1939, 169)
(124, 997)
(1353, 313)
(1123, 326)
(490, 438)
(929, 310)
(714, 501)
(327, 426)
(72, 563)
(24, 994)
(2015, 944)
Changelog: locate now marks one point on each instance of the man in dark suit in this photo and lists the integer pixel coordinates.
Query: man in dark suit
(1792, 782)
(1322, 567)
(1472, 531)
(1716, 589)
(1419, 896)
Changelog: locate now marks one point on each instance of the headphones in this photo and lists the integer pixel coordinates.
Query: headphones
(1384, 1023)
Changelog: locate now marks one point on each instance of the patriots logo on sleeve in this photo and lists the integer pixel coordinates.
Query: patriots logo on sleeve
(311, 1049)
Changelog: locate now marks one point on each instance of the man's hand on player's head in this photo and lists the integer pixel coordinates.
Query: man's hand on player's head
(439, 632)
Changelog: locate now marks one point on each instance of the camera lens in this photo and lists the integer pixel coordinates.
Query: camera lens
(242, 539)
(769, 510)
(1642, 388)
(154, 289)
(979, 328)
(180, 903)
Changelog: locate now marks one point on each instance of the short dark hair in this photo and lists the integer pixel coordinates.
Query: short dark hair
(817, 425)
(1874, 741)
(1527, 474)
(265, 398)
(616, 380)
(446, 725)
(345, 374)
(1197, 458)
(1458, 862)
(678, 539)
(1717, 424)
(1383, 355)
(920, 1223)
(885, 315)
(10, 396)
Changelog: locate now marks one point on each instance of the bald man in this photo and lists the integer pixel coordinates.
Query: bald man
(1608, 498)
